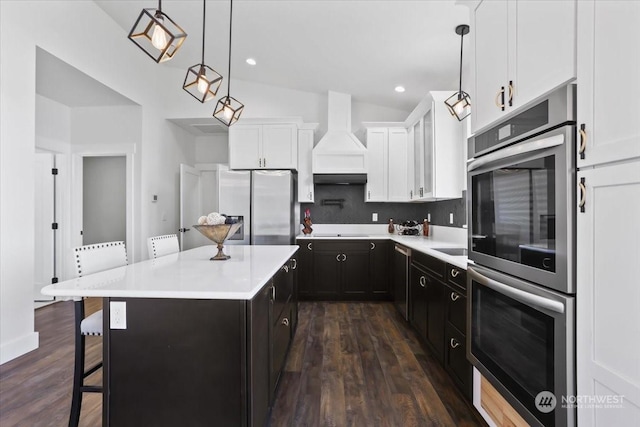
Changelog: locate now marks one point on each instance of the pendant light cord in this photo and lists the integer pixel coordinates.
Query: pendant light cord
(159, 5)
(229, 72)
(204, 14)
(461, 45)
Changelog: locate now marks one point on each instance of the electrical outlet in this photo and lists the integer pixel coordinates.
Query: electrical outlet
(374, 217)
(429, 217)
(118, 314)
(450, 217)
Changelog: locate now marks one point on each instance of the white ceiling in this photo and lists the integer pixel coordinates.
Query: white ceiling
(364, 48)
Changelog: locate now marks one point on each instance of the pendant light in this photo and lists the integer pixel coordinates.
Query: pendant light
(228, 109)
(459, 104)
(157, 35)
(202, 81)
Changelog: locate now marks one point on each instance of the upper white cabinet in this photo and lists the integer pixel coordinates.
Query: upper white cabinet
(263, 146)
(305, 172)
(438, 151)
(387, 176)
(523, 50)
(608, 81)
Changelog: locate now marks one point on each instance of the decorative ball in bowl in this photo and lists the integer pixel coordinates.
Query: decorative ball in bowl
(219, 233)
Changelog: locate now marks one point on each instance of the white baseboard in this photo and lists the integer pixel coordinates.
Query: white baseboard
(16, 348)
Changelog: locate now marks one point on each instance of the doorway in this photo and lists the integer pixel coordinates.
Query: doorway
(104, 199)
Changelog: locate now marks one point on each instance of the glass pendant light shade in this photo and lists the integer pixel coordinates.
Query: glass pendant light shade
(459, 104)
(157, 34)
(228, 110)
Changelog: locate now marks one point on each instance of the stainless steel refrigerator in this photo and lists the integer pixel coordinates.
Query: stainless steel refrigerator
(265, 202)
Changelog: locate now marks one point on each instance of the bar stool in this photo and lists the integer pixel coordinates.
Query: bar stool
(162, 245)
(90, 259)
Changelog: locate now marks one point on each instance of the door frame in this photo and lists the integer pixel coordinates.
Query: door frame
(102, 150)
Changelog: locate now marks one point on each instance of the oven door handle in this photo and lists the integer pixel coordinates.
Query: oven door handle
(517, 149)
(516, 294)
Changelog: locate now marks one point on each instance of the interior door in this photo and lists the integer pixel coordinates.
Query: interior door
(190, 208)
(43, 232)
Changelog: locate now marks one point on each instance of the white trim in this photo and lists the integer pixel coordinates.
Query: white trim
(19, 346)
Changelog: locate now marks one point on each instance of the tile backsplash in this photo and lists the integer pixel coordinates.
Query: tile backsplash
(344, 204)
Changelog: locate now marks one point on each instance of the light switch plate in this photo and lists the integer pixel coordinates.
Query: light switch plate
(118, 314)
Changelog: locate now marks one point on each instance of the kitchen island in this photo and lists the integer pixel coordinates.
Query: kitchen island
(189, 341)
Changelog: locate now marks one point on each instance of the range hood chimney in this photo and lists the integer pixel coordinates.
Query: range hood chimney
(339, 152)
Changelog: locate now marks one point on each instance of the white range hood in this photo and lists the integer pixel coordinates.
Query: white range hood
(339, 152)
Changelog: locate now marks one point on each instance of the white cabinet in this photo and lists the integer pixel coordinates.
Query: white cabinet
(398, 176)
(608, 83)
(305, 172)
(608, 295)
(438, 151)
(387, 177)
(263, 146)
(518, 59)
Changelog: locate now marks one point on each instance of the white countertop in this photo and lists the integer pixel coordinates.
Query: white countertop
(189, 274)
(418, 243)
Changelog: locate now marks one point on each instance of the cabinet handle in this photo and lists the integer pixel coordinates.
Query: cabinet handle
(510, 93)
(500, 104)
(309, 246)
(259, 162)
(338, 257)
(454, 343)
(285, 268)
(583, 195)
(273, 293)
(423, 281)
(421, 192)
(311, 195)
(344, 257)
(454, 296)
(285, 321)
(454, 272)
(583, 140)
(368, 195)
(411, 194)
(295, 263)
(373, 246)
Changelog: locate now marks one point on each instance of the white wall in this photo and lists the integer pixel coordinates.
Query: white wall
(212, 149)
(53, 125)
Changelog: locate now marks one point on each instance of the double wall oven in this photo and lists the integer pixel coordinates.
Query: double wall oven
(521, 282)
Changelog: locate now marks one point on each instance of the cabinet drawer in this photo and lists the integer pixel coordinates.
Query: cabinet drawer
(282, 289)
(456, 309)
(456, 360)
(281, 337)
(340, 246)
(457, 276)
(432, 264)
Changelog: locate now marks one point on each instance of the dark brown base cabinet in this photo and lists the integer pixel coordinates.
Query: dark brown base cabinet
(437, 311)
(199, 362)
(344, 270)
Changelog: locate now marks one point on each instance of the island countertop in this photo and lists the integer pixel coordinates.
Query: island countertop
(188, 274)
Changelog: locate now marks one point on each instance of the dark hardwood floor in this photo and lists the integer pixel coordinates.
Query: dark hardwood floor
(359, 364)
(350, 364)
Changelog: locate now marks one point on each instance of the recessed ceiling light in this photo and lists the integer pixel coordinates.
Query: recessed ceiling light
(399, 89)
(251, 61)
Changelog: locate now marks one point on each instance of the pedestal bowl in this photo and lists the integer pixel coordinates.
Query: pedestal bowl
(218, 233)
